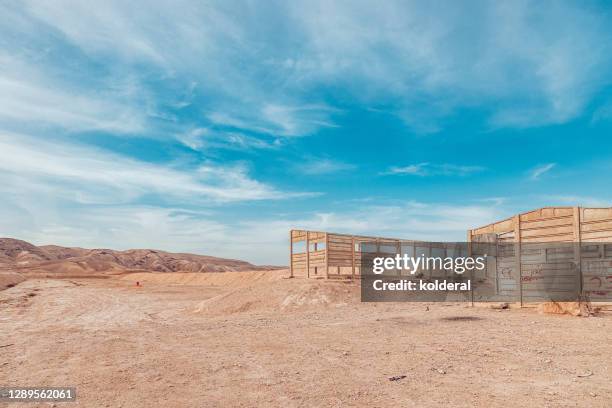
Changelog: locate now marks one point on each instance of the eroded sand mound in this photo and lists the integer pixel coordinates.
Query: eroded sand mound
(283, 294)
(8, 279)
(225, 279)
(254, 291)
(566, 308)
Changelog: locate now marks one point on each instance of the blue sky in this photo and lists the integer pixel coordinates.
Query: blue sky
(215, 127)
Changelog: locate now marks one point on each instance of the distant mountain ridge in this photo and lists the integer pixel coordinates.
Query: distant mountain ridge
(21, 256)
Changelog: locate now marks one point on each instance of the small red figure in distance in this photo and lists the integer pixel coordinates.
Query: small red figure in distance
(137, 283)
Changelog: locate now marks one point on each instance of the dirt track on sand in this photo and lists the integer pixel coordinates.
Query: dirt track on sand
(201, 341)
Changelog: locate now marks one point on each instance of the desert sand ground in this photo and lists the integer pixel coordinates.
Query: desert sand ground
(256, 339)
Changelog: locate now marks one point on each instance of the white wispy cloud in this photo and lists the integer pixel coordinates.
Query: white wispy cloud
(430, 169)
(514, 54)
(54, 192)
(94, 174)
(29, 96)
(194, 138)
(538, 171)
(260, 67)
(261, 240)
(191, 43)
(278, 119)
(498, 201)
(578, 200)
(316, 166)
(205, 139)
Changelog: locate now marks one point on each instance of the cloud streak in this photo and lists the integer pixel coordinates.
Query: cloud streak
(540, 170)
(430, 169)
(258, 68)
(29, 96)
(317, 166)
(95, 175)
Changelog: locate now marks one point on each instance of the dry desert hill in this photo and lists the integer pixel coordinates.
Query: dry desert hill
(21, 257)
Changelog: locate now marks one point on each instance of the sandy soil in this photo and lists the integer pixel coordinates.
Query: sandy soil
(255, 339)
(9, 279)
